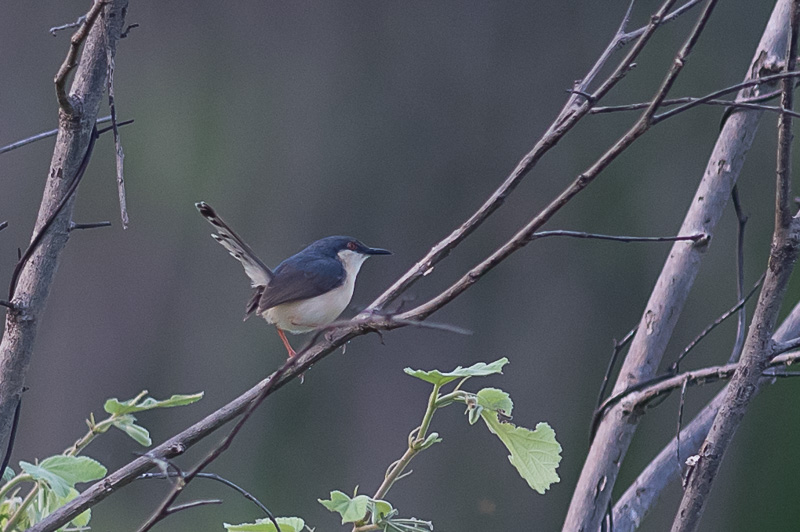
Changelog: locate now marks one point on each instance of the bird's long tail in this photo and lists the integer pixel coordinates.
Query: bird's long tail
(256, 270)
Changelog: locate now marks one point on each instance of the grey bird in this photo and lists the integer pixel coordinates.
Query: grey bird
(306, 291)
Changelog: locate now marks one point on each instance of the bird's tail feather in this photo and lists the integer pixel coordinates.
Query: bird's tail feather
(256, 270)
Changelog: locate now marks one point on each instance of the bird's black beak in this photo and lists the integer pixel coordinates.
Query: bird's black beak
(376, 251)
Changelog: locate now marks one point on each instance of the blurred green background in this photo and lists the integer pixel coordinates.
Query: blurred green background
(391, 122)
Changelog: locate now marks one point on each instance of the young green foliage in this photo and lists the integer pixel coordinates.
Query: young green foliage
(351, 510)
(379, 512)
(55, 477)
(286, 524)
(438, 378)
(535, 453)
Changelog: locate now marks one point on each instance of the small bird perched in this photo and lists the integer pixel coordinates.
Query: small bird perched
(306, 291)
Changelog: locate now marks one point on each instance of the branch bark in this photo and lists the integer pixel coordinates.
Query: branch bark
(615, 433)
(758, 348)
(634, 505)
(77, 116)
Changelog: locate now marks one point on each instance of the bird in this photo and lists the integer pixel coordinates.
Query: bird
(305, 292)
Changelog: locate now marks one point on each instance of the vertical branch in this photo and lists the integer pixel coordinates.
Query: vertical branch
(77, 116)
(758, 346)
(669, 295)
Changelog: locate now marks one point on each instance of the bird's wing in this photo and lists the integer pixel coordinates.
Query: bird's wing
(299, 278)
(255, 269)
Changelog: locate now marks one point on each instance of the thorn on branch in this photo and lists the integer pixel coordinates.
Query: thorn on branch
(73, 226)
(8, 304)
(589, 97)
(55, 29)
(127, 30)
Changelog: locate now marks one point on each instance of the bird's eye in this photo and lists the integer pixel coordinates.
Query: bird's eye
(351, 246)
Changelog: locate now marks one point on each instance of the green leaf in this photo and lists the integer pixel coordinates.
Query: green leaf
(380, 510)
(115, 406)
(351, 510)
(63, 472)
(536, 454)
(286, 524)
(127, 424)
(8, 474)
(497, 400)
(480, 369)
(432, 438)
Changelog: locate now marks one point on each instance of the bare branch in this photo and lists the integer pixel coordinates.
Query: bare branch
(567, 118)
(618, 347)
(119, 154)
(64, 101)
(669, 295)
(643, 493)
(31, 284)
(523, 236)
(698, 101)
(758, 346)
(39, 238)
(40, 136)
(212, 476)
(738, 306)
(618, 238)
(741, 325)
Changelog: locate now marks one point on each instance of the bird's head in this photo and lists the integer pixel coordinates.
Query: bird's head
(350, 251)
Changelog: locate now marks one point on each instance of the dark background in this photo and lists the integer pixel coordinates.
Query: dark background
(391, 122)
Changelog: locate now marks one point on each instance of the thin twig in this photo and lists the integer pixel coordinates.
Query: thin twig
(119, 154)
(727, 314)
(675, 101)
(70, 62)
(580, 183)
(61, 204)
(618, 346)
(618, 238)
(570, 115)
(40, 136)
(55, 29)
(733, 88)
(193, 504)
(212, 476)
(741, 325)
(163, 509)
(74, 226)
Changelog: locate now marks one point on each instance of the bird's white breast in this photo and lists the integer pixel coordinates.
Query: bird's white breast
(309, 314)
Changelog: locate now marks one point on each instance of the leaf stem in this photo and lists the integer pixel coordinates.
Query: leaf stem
(19, 479)
(413, 447)
(12, 521)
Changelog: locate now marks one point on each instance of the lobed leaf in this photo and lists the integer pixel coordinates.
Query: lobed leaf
(115, 406)
(351, 510)
(286, 524)
(480, 369)
(534, 453)
(62, 472)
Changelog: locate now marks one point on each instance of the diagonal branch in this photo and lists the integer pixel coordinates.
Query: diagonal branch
(566, 120)
(70, 62)
(672, 288)
(758, 348)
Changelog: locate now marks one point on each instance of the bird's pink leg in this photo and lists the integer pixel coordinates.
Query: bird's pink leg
(286, 343)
